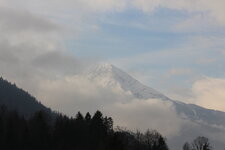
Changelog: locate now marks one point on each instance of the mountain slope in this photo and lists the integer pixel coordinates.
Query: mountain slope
(17, 99)
(196, 113)
(108, 76)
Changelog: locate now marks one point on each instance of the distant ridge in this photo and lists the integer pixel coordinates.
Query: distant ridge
(19, 100)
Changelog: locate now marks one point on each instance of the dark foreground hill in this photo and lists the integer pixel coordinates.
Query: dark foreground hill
(17, 99)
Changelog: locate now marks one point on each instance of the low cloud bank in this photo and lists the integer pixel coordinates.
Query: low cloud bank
(78, 93)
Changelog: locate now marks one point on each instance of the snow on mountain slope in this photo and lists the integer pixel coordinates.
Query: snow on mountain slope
(109, 76)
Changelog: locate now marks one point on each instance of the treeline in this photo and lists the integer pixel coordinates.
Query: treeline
(199, 143)
(41, 132)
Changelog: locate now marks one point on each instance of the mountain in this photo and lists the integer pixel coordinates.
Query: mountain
(197, 120)
(17, 99)
(108, 75)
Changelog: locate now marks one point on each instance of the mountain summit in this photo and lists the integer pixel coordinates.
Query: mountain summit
(110, 75)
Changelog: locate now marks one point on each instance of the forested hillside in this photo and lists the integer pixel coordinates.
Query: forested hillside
(17, 99)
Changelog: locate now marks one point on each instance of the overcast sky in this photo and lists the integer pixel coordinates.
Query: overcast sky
(174, 46)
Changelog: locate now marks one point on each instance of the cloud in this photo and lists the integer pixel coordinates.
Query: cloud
(211, 9)
(12, 20)
(147, 114)
(206, 91)
(78, 93)
(58, 5)
(32, 49)
(201, 14)
(24, 30)
(61, 63)
(74, 12)
(209, 92)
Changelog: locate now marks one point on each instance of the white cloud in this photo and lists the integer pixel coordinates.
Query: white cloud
(78, 93)
(209, 93)
(67, 9)
(213, 9)
(74, 16)
(89, 5)
(32, 49)
(144, 114)
(74, 13)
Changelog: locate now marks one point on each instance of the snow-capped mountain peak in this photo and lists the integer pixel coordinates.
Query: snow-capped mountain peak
(108, 76)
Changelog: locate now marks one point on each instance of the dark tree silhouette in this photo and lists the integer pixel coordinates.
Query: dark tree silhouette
(186, 146)
(199, 143)
(87, 116)
(154, 140)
